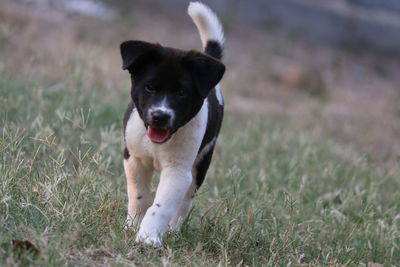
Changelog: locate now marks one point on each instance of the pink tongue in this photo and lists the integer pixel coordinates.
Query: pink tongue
(157, 135)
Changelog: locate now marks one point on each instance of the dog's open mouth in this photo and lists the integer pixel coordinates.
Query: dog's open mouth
(158, 135)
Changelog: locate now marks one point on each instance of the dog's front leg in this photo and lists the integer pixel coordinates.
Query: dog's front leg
(174, 183)
(138, 180)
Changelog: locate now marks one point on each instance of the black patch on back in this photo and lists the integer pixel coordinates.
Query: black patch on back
(214, 122)
(202, 168)
(214, 49)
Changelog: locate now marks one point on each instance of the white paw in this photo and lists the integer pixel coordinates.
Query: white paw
(133, 221)
(149, 239)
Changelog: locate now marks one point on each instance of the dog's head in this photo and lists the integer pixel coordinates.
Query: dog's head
(168, 85)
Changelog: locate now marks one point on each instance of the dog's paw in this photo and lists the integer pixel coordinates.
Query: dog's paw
(152, 240)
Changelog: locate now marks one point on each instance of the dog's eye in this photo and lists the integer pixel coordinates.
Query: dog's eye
(149, 88)
(181, 92)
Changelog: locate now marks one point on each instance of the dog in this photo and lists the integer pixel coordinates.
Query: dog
(171, 125)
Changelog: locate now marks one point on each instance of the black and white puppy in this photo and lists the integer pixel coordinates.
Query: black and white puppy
(171, 125)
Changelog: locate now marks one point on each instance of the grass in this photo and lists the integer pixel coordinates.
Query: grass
(273, 196)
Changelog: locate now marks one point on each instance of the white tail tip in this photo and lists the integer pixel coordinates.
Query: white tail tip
(206, 22)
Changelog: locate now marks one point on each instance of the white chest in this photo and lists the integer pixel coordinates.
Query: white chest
(181, 149)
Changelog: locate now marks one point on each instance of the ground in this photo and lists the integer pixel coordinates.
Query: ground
(306, 169)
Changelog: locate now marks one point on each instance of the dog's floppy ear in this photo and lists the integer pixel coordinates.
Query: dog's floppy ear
(137, 53)
(207, 71)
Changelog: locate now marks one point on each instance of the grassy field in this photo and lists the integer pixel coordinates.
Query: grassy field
(276, 194)
(272, 196)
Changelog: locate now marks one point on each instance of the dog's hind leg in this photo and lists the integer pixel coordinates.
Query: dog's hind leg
(138, 178)
(184, 209)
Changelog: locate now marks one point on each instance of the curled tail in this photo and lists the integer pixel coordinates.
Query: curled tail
(210, 28)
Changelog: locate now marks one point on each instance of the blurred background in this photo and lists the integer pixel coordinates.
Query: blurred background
(328, 67)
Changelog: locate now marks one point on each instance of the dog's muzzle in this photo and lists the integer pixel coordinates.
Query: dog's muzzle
(159, 126)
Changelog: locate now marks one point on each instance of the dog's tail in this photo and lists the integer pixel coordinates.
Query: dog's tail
(210, 28)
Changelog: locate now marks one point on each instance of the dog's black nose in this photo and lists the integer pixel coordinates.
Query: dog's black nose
(160, 118)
